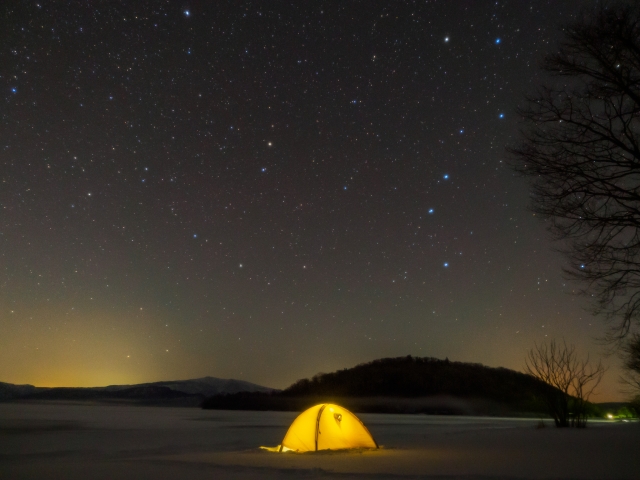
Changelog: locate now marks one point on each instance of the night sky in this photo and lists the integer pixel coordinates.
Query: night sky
(268, 190)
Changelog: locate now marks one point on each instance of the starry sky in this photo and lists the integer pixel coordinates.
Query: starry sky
(268, 190)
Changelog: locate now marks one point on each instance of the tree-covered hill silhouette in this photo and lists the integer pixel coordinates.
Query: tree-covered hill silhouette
(404, 384)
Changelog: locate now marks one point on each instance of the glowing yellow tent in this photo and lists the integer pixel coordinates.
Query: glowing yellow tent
(326, 427)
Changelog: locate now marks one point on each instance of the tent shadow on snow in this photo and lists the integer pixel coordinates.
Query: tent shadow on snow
(325, 427)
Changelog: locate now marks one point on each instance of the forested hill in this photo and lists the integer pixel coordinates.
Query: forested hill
(401, 382)
(415, 376)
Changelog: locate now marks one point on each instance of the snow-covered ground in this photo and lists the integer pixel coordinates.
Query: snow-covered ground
(62, 441)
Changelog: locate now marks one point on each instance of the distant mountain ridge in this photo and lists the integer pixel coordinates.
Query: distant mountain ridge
(9, 390)
(206, 386)
(178, 392)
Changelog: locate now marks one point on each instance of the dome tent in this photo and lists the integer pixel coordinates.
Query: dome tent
(326, 427)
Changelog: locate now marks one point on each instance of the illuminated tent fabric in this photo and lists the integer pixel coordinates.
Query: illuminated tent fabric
(326, 427)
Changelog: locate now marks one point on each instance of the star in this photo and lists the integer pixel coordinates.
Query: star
(431, 210)
(187, 13)
(446, 176)
(446, 264)
(497, 41)
(446, 39)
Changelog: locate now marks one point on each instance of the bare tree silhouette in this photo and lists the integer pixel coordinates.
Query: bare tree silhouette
(574, 380)
(632, 363)
(581, 152)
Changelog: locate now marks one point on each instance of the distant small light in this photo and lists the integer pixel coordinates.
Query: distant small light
(501, 115)
(187, 13)
(269, 143)
(446, 39)
(89, 194)
(14, 90)
(240, 265)
(446, 176)
(195, 235)
(462, 130)
(582, 266)
(354, 101)
(431, 210)
(263, 169)
(497, 41)
(344, 188)
(446, 264)
(144, 180)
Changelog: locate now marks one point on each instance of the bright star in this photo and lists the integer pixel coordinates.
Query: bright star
(269, 144)
(344, 188)
(431, 210)
(446, 264)
(446, 176)
(195, 235)
(187, 13)
(446, 39)
(264, 169)
(497, 41)
(240, 265)
(14, 90)
(501, 115)
(461, 130)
